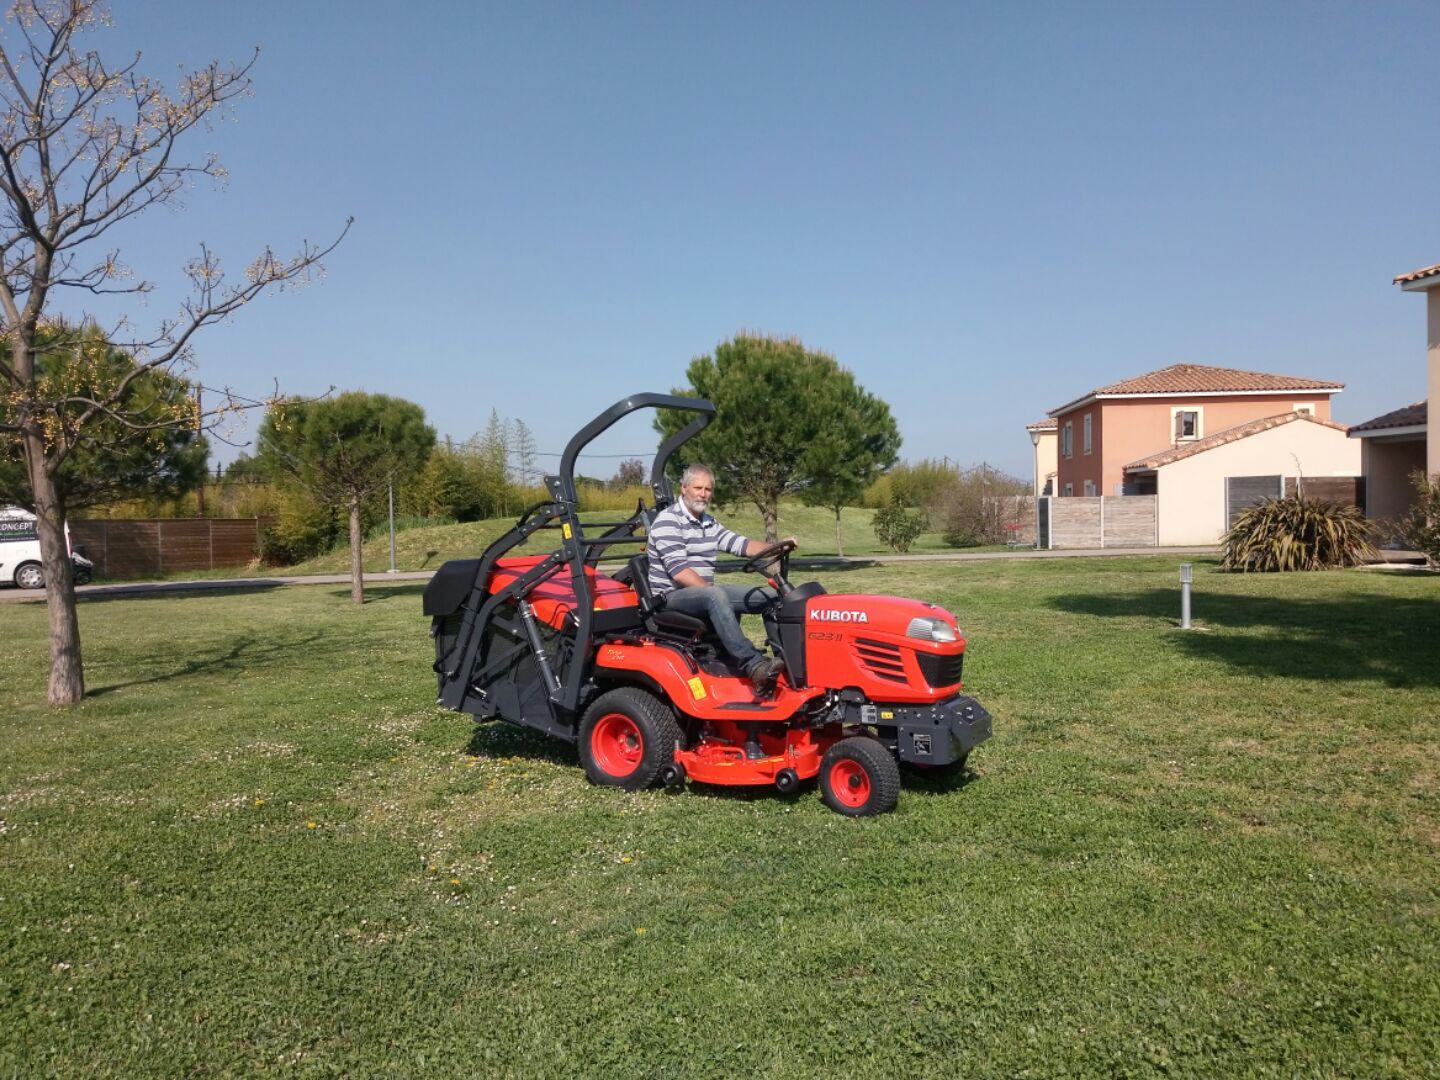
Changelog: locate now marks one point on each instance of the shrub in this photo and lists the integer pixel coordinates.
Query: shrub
(980, 506)
(1420, 528)
(897, 527)
(917, 484)
(302, 528)
(620, 498)
(1295, 533)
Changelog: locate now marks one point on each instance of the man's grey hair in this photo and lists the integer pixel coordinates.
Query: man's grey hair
(693, 470)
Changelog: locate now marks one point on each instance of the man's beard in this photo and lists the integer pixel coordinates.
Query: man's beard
(694, 505)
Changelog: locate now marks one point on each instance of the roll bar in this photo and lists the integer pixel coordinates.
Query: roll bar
(622, 408)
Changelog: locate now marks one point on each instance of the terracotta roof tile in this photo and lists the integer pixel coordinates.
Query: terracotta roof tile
(1178, 380)
(1202, 379)
(1416, 275)
(1229, 435)
(1047, 424)
(1410, 416)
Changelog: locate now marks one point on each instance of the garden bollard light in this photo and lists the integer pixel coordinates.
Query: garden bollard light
(1185, 576)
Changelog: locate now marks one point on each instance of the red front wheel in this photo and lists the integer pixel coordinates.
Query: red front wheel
(859, 777)
(626, 737)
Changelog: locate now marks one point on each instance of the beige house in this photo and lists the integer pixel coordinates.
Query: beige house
(1392, 448)
(1203, 484)
(1105, 430)
(1043, 436)
(1427, 280)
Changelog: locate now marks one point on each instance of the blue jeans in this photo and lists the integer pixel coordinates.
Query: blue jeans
(721, 606)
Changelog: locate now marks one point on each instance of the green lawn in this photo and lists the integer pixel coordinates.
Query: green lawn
(258, 847)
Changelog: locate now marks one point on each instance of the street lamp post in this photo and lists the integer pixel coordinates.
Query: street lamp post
(392, 527)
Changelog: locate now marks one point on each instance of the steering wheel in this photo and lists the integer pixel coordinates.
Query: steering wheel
(780, 550)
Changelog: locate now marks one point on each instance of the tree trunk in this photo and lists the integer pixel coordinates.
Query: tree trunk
(839, 540)
(357, 562)
(770, 514)
(67, 673)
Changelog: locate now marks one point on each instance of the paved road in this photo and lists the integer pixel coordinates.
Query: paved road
(131, 588)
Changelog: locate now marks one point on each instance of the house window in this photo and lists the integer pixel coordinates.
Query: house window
(1086, 436)
(1069, 488)
(1067, 438)
(1305, 407)
(1187, 423)
(1089, 484)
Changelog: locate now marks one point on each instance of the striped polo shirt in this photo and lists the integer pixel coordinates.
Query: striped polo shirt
(678, 540)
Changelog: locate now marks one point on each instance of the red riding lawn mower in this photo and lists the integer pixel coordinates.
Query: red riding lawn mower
(549, 642)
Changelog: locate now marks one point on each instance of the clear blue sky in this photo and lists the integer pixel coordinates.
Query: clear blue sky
(983, 210)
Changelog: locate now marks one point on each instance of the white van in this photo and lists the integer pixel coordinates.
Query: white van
(20, 552)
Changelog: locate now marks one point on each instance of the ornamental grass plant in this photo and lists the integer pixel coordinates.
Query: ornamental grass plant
(1296, 533)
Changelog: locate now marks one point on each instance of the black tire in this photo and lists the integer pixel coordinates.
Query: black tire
(30, 575)
(627, 737)
(859, 777)
(82, 576)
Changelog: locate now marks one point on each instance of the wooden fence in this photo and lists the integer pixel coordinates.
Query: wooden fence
(125, 547)
(1098, 521)
(1338, 489)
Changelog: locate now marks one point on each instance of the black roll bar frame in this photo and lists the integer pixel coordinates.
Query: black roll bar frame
(575, 550)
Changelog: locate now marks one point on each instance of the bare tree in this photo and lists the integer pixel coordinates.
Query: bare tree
(84, 147)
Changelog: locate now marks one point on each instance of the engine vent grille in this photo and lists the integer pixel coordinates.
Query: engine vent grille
(881, 659)
(940, 670)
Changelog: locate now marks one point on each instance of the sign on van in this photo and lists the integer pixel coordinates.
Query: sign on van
(17, 529)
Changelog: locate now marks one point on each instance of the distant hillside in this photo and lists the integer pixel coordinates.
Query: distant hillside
(427, 548)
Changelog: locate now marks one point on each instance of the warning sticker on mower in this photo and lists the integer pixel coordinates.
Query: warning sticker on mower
(697, 688)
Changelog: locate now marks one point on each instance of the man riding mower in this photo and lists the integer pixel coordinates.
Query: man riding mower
(648, 694)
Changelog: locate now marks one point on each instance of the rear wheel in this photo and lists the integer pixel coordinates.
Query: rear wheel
(30, 576)
(859, 777)
(626, 738)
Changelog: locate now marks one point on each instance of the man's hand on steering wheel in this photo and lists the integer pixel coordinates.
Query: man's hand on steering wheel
(778, 551)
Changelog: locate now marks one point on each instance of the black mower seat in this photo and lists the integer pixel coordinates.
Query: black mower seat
(652, 608)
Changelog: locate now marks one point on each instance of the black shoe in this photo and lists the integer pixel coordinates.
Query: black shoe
(764, 672)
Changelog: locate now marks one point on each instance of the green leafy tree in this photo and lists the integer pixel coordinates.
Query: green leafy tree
(85, 146)
(521, 445)
(844, 459)
(445, 487)
(490, 453)
(134, 450)
(919, 483)
(343, 450)
(774, 434)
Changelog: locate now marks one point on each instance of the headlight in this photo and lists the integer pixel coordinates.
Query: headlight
(928, 629)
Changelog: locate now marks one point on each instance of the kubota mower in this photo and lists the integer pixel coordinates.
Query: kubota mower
(549, 642)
